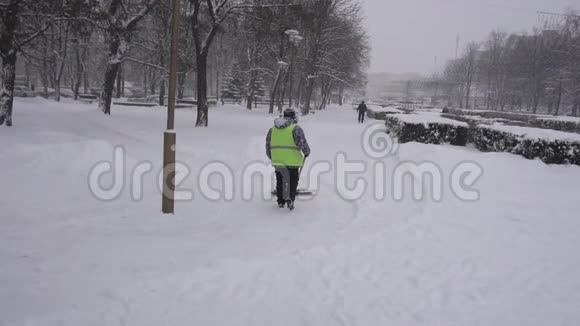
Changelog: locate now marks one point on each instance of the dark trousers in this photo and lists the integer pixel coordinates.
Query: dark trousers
(286, 184)
(361, 116)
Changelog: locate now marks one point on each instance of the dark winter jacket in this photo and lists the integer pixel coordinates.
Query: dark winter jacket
(298, 134)
(362, 108)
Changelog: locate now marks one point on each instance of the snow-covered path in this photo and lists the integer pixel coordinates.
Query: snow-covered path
(69, 259)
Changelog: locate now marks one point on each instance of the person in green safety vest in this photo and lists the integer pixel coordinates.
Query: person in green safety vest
(287, 148)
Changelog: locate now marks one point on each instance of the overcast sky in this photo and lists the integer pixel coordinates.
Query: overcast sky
(406, 35)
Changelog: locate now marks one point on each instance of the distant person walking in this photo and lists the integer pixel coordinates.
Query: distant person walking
(362, 111)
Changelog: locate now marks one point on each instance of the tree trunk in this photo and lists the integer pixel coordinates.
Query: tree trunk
(202, 108)
(282, 93)
(62, 54)
(576, 108)
(488, 97)
(122, 82)
(535, 101)
(467, 96)
(251, 90)
(180, 84)
(217, 83)
(161, 62)
(7, 91)
(249, 102)
(291, 89)
(119, 82)
(308, 97)
(559, 100)
(145, 84)
(27, 75)
(162, 92)
(152, 83)
(116, 53)
(275, 91)
(108, 86)
(322, 94)
(340, 94)
(195, 76)
(86, 81)
(79, 71)
(58, 78)
(44, 70)
(57, 90)
(327, 95)
(300, 90)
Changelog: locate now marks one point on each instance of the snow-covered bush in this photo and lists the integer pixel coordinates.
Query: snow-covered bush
(472, 121)
(379, 115)
(427, 129)
(382, 113)
(552, 147)
(568, 124)
(490, 140)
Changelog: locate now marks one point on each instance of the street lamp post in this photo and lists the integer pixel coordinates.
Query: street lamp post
(295, 39)
(169, 136)
(281, 67)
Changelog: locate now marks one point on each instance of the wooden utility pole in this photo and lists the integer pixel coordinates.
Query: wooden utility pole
(169, 136)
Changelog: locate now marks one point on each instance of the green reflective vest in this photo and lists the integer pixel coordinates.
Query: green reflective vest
(283, 148)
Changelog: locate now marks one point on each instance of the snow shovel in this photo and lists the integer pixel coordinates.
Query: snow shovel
(300, 192)
(303, 191)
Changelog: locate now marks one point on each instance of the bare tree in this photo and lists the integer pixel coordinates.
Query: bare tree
(119, 23)
(14, 36)
(203, 33)
(470, 67)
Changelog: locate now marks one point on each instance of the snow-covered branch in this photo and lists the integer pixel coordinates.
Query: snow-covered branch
(148, 64)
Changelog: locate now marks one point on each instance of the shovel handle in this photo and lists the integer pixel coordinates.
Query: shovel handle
(300, 170)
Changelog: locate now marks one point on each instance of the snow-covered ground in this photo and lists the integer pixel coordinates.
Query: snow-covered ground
(67, 258)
